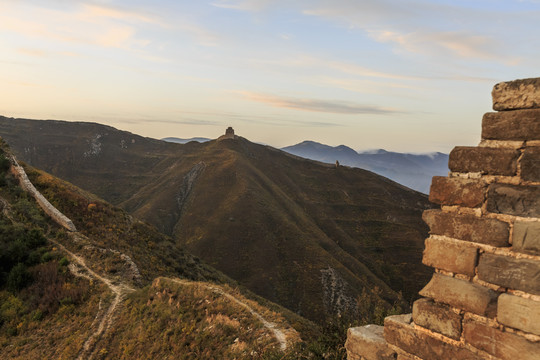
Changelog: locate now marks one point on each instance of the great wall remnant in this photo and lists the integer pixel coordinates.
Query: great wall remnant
(48, 208)
(483, 301)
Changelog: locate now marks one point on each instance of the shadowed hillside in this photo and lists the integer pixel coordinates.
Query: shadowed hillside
(317, 239)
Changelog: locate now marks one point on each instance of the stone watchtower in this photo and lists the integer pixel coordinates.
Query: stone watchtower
(229, 134)
(483, 301)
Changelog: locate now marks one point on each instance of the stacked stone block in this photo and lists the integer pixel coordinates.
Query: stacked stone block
(483, 301)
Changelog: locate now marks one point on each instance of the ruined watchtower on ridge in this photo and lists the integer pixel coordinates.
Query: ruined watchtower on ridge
(229, 134)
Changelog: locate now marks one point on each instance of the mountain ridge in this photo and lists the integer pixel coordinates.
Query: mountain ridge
(95, 336)
(287, 228)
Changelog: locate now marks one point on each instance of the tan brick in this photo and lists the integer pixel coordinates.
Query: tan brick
(450, 256)
(526, 237)
(519, 313)
(530, 164)
(503, 345)
(437, 317)
(457, 191)
(398, 331)
(405, 357)
(517, 94)
(461, 294)
(468, 227)
(492, 161)
(512, 125)
(517, 274)
(514, 200)
(367, 342)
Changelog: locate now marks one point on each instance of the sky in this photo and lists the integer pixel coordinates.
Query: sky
(409, 76)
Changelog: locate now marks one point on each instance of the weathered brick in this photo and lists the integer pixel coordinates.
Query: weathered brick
(492, 161)
(514, 200)
(398, 331)
(503, 345)
(449, 256)
(518, 125)
(461, 294)
(526, 237)
(517, 274)
(437, 317)
(404, 357)
(457, 191)
(367, 342)
(519, 313)
(530, 164)
(517, 94)
(468, 227)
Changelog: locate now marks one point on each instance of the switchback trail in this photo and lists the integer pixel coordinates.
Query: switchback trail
(78, 267)
(119, 292)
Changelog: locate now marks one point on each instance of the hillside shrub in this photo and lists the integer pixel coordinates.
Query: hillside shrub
(18, 277)
(4, 164)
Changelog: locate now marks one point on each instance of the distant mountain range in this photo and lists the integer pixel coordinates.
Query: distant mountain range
(185, 141)
(412, 170)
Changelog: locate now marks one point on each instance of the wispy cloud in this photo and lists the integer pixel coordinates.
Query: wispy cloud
(318, 105)
(410, 27)
(457, 43)
(32, 52)
(246, 5)
(89, 11)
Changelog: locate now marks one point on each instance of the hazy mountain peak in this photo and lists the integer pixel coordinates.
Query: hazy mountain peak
(412, 170)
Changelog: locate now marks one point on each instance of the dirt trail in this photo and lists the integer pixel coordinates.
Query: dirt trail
(78, 267)
(106, 321)
(278, 333)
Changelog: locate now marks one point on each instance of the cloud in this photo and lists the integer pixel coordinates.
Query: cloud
(458, 43)
(32, 52)
(317, 105)
(68, 26)
(89, 11)
(245, 5)
(435, 29)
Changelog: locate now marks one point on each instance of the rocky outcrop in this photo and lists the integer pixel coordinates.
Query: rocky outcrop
(187, 184)
(483, 301)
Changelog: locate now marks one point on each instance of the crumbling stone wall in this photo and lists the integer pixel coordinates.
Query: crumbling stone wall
(48, 208)
(483, 301)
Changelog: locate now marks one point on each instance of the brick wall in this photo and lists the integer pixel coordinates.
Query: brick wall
(483, 301)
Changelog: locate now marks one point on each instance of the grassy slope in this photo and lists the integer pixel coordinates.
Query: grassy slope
(269, 220)
(28, 332)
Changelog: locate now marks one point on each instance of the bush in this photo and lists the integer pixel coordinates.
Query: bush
(18, 277)
(46, 257)
(4, 164)
(63, 261)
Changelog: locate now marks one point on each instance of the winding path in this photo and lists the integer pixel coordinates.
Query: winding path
(79, 268)
(119, 292)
